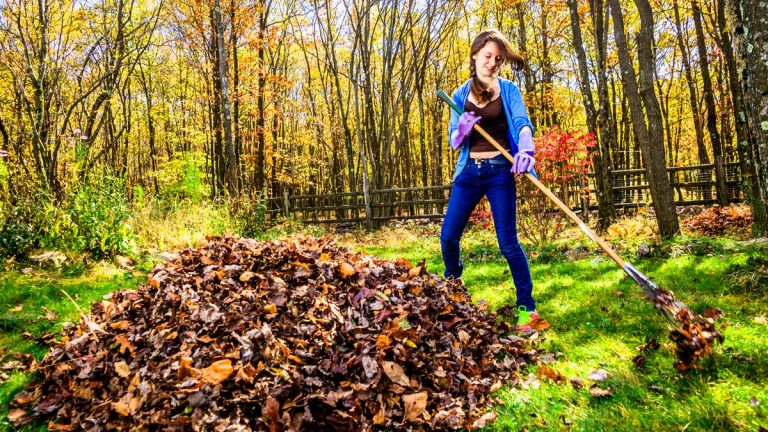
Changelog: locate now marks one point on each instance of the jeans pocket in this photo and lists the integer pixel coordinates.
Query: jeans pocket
(501, 168)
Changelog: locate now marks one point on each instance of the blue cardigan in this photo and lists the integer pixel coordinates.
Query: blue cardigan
(514, 108)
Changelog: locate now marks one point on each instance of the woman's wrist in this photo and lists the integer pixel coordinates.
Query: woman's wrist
(525, 141)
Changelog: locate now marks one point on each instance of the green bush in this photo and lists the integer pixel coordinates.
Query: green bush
(23, 225)
(180, 182)
(250, 216)
(99, 211)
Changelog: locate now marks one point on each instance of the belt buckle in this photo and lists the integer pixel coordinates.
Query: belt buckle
(479, 162)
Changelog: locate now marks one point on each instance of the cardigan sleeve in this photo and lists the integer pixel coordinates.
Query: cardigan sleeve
(518, 111)
(454, 122)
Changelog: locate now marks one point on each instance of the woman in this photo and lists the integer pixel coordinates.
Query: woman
(495, 104)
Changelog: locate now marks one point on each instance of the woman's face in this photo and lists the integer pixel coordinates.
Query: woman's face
(488, 60)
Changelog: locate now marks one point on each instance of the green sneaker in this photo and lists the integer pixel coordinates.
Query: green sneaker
(524, 318)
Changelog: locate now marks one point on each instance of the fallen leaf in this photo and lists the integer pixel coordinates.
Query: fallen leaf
(246, 276)
(760, 320)
(17, 416)
(218, 371)
(651, 345)
(548, 372)
(11, 365)
(16, 309)
(539, 324)
(599, 392)
(186, 369)
(598, 375)
(639, 360)
(484, 420)
(346, 269)
(272, 414)
(121, 407)
(369, 366)
(122, 369)
(404, 262)
(395, 373)
(49, 314)
(61, 427)
(576, 383)
(416, 271)
(383, 342)
(380, 417)
(414, 405)
(125, 345)
(712, 313)
(120, 325)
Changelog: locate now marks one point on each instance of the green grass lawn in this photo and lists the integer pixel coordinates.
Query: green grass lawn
(35, 304)
(598, 319)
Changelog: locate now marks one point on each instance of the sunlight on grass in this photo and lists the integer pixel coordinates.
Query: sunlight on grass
(186, 226)
(598, 319)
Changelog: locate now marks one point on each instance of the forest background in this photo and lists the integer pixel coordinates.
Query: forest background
(110, 104)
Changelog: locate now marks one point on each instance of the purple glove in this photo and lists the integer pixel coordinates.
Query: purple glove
(466, 121)
(524, 160)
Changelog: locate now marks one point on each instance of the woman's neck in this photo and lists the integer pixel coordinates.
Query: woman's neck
(490, 82)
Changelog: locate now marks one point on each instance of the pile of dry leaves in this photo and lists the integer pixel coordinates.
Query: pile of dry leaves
(716, 220)
(299, 335)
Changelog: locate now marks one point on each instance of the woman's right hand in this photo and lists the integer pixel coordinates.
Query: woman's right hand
(464, 128)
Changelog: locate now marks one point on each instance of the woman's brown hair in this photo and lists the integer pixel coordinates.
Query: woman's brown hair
(480, 91)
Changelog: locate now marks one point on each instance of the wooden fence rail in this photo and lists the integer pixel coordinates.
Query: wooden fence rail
(692, 185)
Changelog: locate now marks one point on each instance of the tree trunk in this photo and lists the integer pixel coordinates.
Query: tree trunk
(238, 142)
(737, 98)
(217, 146)
(528, 76)
(606, 119)
(692, 93)
(261, 89)
(231, 164)
(751, 41)
(709, 101)
(606, 211)
(146, 86)
(649, 137)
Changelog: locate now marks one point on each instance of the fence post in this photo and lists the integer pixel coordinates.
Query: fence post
(286, 204)
(722, 189)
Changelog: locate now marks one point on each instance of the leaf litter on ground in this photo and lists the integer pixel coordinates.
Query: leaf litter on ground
(279, 335)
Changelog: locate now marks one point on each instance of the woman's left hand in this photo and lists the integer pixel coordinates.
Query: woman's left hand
(524, 162)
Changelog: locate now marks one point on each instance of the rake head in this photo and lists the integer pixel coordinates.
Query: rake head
(694, 335)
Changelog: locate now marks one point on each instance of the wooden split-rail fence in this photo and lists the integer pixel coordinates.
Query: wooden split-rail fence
(693, 185)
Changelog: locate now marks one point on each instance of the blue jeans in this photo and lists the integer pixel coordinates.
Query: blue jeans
(492, 179)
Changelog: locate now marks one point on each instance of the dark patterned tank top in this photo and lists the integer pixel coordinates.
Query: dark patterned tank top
(493, 121)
